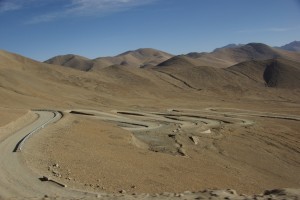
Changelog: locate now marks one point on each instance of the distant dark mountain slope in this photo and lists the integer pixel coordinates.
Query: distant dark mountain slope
(248, 75)
(279, 73)
(226, 57)
(283, 74)
(293, 46)
(205, 77)
(252, 51)
(230, 46)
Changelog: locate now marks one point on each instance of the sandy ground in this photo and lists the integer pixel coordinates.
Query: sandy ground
(8, 115)
(88, 153)
(13, 120)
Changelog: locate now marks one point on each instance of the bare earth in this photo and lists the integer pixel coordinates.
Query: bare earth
(232, 146)
(9, 115)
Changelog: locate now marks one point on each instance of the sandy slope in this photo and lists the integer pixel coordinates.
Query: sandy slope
(8, 115)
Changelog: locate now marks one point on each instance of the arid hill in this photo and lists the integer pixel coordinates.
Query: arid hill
(226, 57)
(29, 83)
(277, 73)
(116, 83)
(73, 61)
(293, 46)
(230, 46)
(137, 58)
(249, 75)
(144, 58)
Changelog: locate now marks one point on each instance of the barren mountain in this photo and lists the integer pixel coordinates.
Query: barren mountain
(226, 57)
(178, 74)
(293, 46)
(106, 86)
(219, 58)
(73, 61)
(178, 61)
(248, 75)
(230, 46)
(278, 73)
(137, 58)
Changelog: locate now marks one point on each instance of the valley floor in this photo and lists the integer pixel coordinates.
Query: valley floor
(247, 147)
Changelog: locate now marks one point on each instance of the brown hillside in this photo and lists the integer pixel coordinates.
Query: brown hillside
(137, 58)
(73, 61)
(178, 61)
(279, 73)
(250, 75)
(117, 83)
(226, 57)
(205, 78)
(29, 83)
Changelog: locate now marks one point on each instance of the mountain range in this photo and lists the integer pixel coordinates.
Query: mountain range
(138, 58)
(221, 57)
(254, 70)
(292, 46)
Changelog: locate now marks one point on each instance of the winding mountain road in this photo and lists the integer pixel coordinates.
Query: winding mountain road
(16, 180)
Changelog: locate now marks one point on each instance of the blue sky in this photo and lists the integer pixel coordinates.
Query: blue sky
(41, 29)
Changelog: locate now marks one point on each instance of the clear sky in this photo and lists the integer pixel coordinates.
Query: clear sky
(41, 29)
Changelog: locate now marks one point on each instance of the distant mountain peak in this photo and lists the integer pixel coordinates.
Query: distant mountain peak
(230, 46)
(259, 47)
(293, 46)
(144, 52)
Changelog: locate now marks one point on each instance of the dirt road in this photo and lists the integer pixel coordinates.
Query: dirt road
(16, 180)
